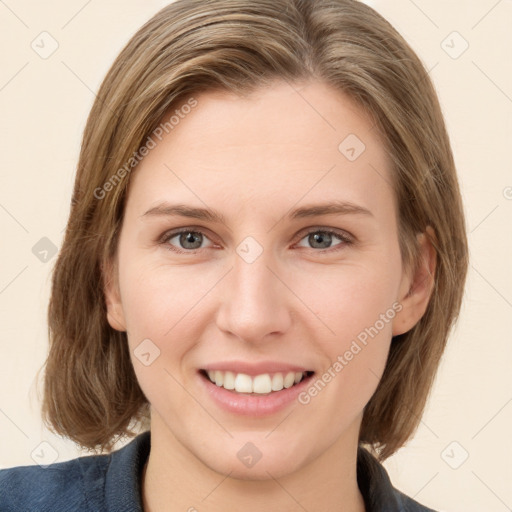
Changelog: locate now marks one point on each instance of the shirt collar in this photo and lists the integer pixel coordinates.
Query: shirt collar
(375, 485)
(123, 491)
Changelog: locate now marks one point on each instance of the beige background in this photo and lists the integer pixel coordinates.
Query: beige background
(44, 104)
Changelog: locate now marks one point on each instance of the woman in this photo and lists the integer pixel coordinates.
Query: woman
(264, 258)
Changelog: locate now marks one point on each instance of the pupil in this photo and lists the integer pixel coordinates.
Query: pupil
(320, 238)
(189, 239)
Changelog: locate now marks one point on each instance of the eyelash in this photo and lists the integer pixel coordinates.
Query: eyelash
(344, 238)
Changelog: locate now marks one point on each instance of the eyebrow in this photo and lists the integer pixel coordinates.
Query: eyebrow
(212, 215)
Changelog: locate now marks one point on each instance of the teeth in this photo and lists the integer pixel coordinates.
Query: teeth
(289, 380)
(243, 383)
(277, 382)
(229, 380)
(260, 384)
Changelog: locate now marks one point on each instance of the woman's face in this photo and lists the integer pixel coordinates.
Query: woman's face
(291, 264)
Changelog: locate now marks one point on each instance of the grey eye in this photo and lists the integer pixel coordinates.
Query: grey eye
(321, 239)
(187, 240)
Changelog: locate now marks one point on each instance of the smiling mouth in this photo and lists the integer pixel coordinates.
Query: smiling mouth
(263, 384)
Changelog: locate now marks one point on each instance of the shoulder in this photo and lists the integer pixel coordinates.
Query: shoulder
(408, 504)
(86, 484)
(73, 485)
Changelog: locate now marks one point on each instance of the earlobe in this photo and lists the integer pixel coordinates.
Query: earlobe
(115, 314)
(416, 289)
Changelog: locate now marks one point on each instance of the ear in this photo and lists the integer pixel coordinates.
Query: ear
(417, 285)
(115, 314)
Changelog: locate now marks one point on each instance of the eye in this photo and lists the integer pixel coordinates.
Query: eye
(191, 240)
(323, 238)
(188, 240)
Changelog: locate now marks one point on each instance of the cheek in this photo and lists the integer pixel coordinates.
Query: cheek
(355, 345)
(165, 305)
(159, 301)
(354, 308)
(348, 299)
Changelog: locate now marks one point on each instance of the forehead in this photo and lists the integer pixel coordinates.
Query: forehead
(283, 141)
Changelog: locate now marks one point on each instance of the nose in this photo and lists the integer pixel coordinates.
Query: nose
(256, 301)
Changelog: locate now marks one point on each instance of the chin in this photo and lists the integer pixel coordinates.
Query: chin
(259, 459)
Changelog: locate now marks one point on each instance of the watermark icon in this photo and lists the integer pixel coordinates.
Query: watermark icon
(454, 45)
(454, 455)
(249, 454)
(44, 454)
(45, 45)
(146, 352)
(158, 133)
(507, 193)
(355, 348)
(44, 250)
(351, 147)
(249, 249)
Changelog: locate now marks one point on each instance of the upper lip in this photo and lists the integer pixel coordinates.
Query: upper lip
(255, 368)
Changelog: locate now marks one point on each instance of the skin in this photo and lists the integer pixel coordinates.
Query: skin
(253, 160)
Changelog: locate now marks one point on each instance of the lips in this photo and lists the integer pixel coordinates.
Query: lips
(256, 388)
(258, 391)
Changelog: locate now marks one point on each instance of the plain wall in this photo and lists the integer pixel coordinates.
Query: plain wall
(44, 104)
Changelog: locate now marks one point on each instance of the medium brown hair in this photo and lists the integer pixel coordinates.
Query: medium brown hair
(91, 393)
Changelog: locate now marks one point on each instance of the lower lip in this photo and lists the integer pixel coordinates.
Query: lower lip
(253, 404)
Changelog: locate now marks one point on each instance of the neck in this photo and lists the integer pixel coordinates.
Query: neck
(175, 480)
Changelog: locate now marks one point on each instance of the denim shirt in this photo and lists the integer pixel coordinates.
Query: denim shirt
(112, 483)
